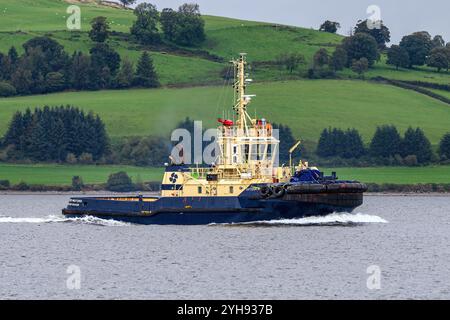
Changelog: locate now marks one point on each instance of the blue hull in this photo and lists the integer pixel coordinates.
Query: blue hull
(203, 218)
(248, 207)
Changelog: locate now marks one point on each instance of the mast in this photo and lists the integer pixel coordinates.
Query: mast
(242, 100)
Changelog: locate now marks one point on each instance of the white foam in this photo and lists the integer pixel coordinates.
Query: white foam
(332, 219)
(53, 218)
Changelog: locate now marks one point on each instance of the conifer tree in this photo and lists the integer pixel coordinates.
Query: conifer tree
(353, 145)
(416, 143)
(13, 55)
(51, 134)
(15, 131)
(125, 76)
(145, 74)
(325, 147)
(444, 146)
(386, 142)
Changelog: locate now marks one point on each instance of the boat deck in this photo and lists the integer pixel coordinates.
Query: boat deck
(129, 199)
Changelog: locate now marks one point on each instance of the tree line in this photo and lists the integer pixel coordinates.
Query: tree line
(413, 148)
(363, 48)
(183, 27)
(68, 135)
(55, 134)
(359, 52)
(45, 67)
(419, 49)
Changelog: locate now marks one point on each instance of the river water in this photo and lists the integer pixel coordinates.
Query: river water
(393, 247)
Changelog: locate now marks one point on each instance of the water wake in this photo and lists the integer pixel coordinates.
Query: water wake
(58, 219)
(335, 219)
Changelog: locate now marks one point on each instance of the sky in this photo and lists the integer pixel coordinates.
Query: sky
(401, 16)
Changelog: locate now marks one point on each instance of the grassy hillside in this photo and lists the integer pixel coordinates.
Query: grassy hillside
(24, 19)
(423, 73)
(62, 174)
(51, 15)
(306, 106)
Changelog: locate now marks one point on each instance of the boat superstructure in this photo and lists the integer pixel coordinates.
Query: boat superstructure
(248, 153)
(244, 183)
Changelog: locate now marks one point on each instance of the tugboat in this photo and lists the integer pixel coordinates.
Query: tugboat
(244, 184)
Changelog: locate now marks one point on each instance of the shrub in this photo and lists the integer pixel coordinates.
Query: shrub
(71, 158)
(22, 186)
(38, 187)
(4, 184)
(86, 158)
(6, 89)
(410, 161)
(77, 183)
(119, 182)
(311, 74)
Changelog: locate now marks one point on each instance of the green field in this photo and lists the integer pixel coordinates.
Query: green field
(441, 92)
(396, 175)
(423, 73)
(62, 174)
(306, 106)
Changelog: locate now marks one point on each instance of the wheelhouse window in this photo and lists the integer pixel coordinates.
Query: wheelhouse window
(231, 189)
(200, 190)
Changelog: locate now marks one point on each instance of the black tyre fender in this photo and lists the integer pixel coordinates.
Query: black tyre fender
(307, 189)
(266, 191)
(279, 191)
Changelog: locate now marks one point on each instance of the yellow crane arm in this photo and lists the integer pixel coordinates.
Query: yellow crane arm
(295, 146)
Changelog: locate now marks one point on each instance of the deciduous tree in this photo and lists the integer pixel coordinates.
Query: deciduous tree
(145, 28)
(381, 33)
(398, 57)
(330, 26)
(321, 58)
(99, 29)
(418, 45)
(360, 66)
(439, 58)
(361, 45)
(338, 59)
